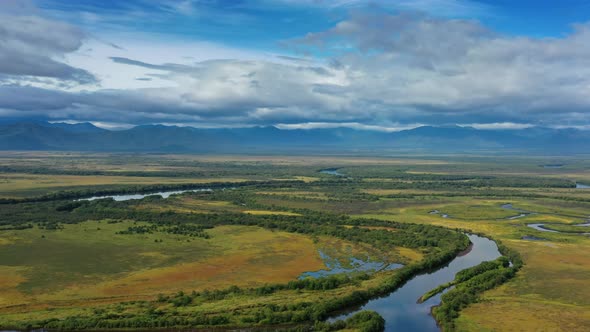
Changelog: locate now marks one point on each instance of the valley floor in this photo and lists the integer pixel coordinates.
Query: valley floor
(93, 265)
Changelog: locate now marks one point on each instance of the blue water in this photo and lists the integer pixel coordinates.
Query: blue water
(331, 171)
(356, 265)
(540, 227)
(533, 238)
(126, 197)
(400, 308)
(522, 214)
(553, 166)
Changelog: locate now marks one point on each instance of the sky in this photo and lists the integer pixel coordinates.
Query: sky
(375, 65)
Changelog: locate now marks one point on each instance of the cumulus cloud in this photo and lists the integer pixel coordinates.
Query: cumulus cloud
(458, 67)
(218, 90)
(375, 69)
(33, 46)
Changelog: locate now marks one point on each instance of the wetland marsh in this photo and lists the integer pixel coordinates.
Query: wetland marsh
(293, 248)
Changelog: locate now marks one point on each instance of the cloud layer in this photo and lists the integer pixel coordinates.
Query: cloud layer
(32, 46)
(373, 70)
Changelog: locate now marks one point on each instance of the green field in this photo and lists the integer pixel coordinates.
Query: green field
(90, 260)
(60, 261)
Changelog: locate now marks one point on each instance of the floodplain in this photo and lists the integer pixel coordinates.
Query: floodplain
(233, 256)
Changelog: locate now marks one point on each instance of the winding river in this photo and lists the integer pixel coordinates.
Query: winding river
(400, 308)
(522, 213)
(166, 194)
(537, 226)
(543, 228)
(126, 197)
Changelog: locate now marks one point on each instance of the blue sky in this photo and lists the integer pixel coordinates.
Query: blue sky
(265, 24)
(297, 64)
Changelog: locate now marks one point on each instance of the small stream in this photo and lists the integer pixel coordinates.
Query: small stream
(538, 226)
(543, 228)
(522, 213)
(331, 171)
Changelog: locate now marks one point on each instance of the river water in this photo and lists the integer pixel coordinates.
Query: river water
(126, 197)
(400, 308)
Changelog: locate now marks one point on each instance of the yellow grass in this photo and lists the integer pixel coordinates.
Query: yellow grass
(523, 314)
(306, 179)
(189, 204)
(18, 185)
(10, 277)
(238, 255)
(294, 193)
(412, 254)
(549, 294)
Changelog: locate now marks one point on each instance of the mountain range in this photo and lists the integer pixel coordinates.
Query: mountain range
(36, 135)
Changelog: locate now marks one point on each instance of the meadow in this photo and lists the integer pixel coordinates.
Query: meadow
(91, 260)
(85, 265)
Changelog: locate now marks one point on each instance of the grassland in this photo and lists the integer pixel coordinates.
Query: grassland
(550, 293)
(77, 271)
(89, 265)
(16, 185)
(90, 260)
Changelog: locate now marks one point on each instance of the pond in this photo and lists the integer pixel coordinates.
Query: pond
(553, 166)
(444, 215)
(532, 238)
(355, 265)
(331, 171)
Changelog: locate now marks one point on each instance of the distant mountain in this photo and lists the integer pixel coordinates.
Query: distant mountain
(159, 138)
(84, 127)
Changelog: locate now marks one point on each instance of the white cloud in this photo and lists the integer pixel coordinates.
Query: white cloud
(458, 68)
(498, 125)
(385, 72)
(96, 55)
(33, 47)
